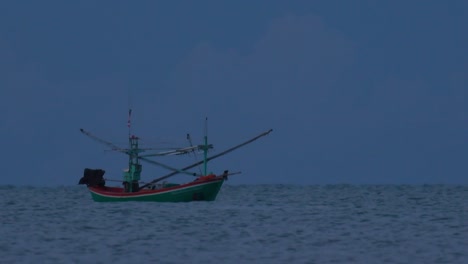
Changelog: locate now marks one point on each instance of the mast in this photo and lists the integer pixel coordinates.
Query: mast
(132, 175)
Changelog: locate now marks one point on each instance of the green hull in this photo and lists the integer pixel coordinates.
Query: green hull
(194, 191)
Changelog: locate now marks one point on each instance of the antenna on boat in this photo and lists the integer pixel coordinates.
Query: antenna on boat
(193, 151)
(205, 148)
(130, 106)
(129, 122)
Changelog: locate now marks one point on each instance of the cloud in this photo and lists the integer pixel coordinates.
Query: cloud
(337, 116)
(293, 67)
(292, 77)
(305, 79)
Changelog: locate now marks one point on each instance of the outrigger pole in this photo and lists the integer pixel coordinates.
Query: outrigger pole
(206, 159)
(134, 151)
(112, 146)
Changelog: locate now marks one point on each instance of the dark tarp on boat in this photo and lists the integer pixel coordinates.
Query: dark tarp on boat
(93, 177)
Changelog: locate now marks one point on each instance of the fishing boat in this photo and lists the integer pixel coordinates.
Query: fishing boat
(204, 187)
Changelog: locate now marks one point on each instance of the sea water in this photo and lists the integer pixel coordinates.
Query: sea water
(246, 224)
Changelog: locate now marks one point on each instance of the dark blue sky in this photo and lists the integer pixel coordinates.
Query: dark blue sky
(356, 91)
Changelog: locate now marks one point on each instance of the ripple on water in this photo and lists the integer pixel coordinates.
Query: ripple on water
(246, 224)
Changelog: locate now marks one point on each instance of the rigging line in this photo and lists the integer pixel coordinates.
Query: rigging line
(167, 167)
